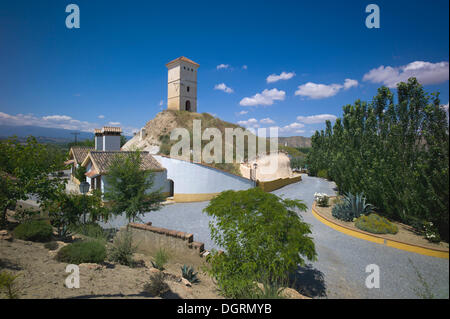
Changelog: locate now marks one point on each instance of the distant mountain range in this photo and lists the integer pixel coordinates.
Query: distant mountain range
(43, 134)
(56, 135)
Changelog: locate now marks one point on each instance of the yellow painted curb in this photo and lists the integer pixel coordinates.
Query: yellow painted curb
(379, 240)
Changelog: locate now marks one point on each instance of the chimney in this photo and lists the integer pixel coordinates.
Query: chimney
(98, 139)
(108, 138)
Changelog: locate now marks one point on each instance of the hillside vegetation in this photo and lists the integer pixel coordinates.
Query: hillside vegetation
(157, 134)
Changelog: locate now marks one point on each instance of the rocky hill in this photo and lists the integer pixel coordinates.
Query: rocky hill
(155, 136)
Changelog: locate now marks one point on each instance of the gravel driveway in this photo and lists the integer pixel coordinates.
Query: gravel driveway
(339, 271)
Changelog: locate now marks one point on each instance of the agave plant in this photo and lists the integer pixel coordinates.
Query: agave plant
(188, 273)
(352, 206)
(357, 204)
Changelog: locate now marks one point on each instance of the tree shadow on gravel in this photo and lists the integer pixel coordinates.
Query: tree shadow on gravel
(308, 281)
(168, 295)
(6, 264)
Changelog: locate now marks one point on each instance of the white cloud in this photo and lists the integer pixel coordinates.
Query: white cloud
(267, 120)
(425, 72)
(114, 123)
(254, 123)
(101, 116)
(283, 76)
(315, 119)
(321, 91)
(223, 87)
(292, 127)
(249, 123)
(223, 66)
(51, 121)
(267, 97)
(57, 118)
(245, 67)
(243, 112)
(349, 83)
(55, 121)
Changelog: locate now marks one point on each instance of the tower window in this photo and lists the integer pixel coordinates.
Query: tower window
(188, 88)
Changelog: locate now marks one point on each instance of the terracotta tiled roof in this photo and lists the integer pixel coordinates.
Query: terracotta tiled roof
(69, 162)
(103, 159)
(182, 58)
(91, 173)
(80, 153)
(108, 129)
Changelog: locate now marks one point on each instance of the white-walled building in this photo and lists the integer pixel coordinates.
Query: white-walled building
(97, 161)
(97, 164)
(77, 154)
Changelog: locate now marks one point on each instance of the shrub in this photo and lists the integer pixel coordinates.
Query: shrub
(264, 237)
(321, 199)
(376, 224)
(91, 251)
(123, 249)
(323, 173)
(188, 273)
(34, 230)
(157, 285)
(268, 291)
(92, 230)
(25, 215)
(351, 207)
(160, 259)
(8, 285)
(431, 233)
(51, 245)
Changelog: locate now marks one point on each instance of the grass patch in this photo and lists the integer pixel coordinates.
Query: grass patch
(123, 249)
(92, 251)
(160, 260)
(34, 230)
(157, 285)
(375, 224)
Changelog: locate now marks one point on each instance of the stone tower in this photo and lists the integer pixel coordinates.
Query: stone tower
(182, 85)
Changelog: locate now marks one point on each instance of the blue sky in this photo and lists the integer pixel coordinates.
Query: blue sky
(112, 69)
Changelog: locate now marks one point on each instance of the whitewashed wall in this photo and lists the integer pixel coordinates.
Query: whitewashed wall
(160, 182)
(191, 178)
(111, 143)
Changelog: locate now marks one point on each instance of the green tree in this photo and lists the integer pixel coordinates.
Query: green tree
(68, 210)
(80, 173)
(25, 169)
(264, 238)
(123, 140)
(86, 143)
(396, 153)
(298, 162)
(129, 187)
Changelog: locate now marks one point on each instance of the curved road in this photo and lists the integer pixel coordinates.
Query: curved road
(339, 271)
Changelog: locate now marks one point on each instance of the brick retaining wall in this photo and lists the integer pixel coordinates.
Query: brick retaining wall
(180, 245)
